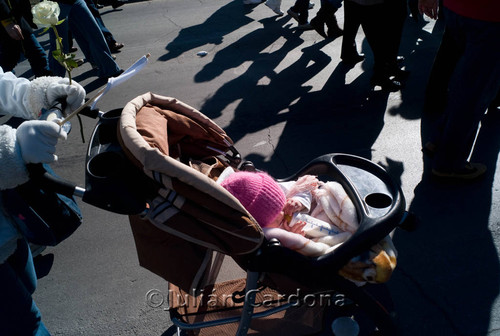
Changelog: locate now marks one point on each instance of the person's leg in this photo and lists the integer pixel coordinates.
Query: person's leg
(97, 16)
(275, 6)
(436, 92)
(19, 314)
(370, 22)
(331, 8)
(396, 12)
(352, 22)
(300, 11)
(374, 30)
(90, 39)
(323, 16)
(36, 56)
(472, 88)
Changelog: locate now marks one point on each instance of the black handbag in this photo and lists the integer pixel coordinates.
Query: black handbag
(43, 216)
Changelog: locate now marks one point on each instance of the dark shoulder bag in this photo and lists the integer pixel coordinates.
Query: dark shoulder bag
(43, 216)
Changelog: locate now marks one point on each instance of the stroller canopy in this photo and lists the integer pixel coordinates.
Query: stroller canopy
(166, 138)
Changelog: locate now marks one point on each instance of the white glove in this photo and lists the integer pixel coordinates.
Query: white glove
(74, 94)
(37, 140)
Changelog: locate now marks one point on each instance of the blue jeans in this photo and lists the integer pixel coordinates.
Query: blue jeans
(19, 314)
(473, 86)
(110, 40)
(87, 34)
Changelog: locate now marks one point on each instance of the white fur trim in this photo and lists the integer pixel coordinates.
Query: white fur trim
(13, 170)
(37, 94)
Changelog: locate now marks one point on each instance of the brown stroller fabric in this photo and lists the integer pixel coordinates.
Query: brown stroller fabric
(190, 210)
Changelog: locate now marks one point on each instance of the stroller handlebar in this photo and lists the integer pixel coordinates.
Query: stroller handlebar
(54, 183)
(379, 202)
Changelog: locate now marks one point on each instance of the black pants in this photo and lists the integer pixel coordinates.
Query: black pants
(383, 27)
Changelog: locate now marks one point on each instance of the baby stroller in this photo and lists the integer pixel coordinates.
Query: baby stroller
(157, 161)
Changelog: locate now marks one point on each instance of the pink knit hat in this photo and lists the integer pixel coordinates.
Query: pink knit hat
(258, 193)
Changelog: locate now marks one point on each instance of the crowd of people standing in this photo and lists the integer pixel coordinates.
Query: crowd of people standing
(465, 79)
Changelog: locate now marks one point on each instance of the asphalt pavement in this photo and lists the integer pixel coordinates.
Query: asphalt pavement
(285, 98)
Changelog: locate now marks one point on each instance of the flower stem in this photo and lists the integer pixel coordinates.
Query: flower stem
(60, 48)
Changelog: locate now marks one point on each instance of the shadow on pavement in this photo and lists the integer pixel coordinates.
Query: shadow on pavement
(224, 21)
(447, 277)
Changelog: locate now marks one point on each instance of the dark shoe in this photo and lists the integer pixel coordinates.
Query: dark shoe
(73, 49)
(293, 14)
(387, 84)
(353, 59)
(118, 73)
(335, 32)
(471, 171)
(319, 26)
(116, 47)
(117, 3)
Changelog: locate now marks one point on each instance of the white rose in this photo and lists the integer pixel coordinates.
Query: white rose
(46, 13)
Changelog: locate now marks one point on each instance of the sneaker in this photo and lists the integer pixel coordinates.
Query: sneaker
(471, 171)
(293, 14)
(275, 9)
(252, 2)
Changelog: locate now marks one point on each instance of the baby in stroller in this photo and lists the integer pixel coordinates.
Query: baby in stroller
(310, 217)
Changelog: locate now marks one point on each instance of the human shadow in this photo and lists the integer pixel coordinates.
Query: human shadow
(448, 267)
(225, 20)
(250, 48)
(340, 118)
(262, 104)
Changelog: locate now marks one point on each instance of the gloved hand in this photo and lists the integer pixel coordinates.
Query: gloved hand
(74, 94)
(37, 140)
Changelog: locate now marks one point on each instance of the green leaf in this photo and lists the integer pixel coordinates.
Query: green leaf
(72, 64)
